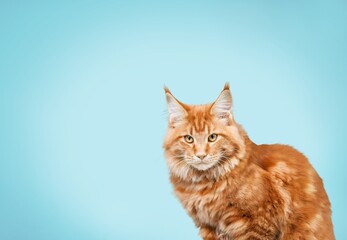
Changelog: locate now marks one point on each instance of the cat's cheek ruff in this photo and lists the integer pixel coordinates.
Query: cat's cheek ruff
(177, 167)
(220, 170)
(239, 140)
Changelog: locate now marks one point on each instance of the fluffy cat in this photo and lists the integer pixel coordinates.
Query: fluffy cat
(235, 189)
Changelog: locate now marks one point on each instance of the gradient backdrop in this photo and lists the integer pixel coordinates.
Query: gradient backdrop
(83, 109)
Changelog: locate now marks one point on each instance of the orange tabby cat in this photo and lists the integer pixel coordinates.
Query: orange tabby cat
(236, 189)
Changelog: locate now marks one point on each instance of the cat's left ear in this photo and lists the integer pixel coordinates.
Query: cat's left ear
(222, 107)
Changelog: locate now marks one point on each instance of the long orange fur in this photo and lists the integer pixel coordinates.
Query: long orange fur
(235, 189)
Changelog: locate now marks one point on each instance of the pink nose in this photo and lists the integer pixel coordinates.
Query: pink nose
(201, 156)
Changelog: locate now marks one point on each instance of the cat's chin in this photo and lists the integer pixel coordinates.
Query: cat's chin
(202, 166)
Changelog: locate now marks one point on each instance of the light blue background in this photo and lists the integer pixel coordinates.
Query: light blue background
(83, 109)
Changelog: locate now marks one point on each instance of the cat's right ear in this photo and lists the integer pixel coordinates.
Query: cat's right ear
(177, 113)
(222, 107)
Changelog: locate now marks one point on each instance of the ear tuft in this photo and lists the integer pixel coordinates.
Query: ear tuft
(226, 86)
(166, 89)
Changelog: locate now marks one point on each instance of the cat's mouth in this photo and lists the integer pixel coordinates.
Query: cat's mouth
(202, 165)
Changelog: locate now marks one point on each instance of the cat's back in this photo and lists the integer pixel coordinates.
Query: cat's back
(269, 156)
(289, 166)
(291, 172)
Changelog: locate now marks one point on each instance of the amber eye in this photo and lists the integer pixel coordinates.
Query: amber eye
(212, 137)
(188, 138)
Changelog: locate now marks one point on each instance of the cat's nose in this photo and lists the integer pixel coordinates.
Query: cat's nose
(201, 156)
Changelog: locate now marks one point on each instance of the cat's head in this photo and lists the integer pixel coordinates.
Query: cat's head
(202, 139)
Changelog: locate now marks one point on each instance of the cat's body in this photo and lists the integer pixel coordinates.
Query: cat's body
(235, 189)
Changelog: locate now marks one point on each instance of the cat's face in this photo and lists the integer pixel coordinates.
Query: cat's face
(202, 138)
